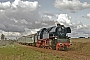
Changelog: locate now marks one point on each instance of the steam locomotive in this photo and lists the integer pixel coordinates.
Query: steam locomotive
(50, 38)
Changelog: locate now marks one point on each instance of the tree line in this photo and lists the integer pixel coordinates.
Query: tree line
(2, 37)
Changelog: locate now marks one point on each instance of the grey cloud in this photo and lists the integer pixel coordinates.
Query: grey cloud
(80, 31)
(48, 13)
(41, 24)
(17, 15)
(71, 5)
(11, 28)
(87, 16)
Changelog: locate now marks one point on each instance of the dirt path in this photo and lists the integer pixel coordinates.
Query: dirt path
(72, 55)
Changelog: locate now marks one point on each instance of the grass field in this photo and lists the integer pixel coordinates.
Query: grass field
(80, 45)
(15, 52)
(83, 40)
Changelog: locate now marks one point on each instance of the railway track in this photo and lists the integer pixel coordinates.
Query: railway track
(72, 55)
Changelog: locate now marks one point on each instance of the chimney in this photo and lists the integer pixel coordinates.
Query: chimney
(58, 24)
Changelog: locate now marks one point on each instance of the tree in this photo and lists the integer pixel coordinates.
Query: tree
(2, 37)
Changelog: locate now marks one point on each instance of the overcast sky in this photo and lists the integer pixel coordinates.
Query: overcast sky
(24, 17)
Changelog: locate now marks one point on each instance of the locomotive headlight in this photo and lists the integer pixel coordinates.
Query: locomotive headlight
(55, 37)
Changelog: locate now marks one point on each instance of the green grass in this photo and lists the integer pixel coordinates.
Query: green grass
(15, 52)
(81, 47)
